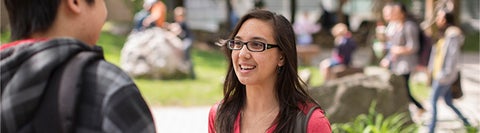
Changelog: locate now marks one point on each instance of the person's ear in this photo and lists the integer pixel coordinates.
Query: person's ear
(281, 61)
(74, 5)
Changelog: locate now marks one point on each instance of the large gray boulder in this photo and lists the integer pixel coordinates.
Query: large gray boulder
(345, 98)
(154, 53)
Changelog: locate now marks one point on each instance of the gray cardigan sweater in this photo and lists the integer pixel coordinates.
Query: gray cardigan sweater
(449, 71)
(407, 37)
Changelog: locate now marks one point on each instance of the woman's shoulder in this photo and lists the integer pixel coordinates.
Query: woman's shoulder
(316, 112)
(453, 31)
(213, 109)
(307, 106)
(213, 112)
(317, 122)
(211, 118)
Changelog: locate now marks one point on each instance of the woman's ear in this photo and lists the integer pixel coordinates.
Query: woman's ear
(74, 5)
(281, 61)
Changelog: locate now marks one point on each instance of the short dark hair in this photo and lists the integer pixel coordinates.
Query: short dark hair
(30, 16)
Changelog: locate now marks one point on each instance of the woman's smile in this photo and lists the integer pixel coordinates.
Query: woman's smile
(247, 67)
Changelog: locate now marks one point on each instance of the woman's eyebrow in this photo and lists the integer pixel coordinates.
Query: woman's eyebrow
(256, 38)
(259, 39)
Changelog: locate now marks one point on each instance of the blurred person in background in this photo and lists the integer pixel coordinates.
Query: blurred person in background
(158, 15)
(403, 38)
(342, 51)
(304, 28)
(142, 14)
(383, 31)
(379, 45)
(443, 65)
(181, 29)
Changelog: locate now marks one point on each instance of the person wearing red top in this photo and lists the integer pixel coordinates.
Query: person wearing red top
(262, 90)
(158, 15)
(317, 123)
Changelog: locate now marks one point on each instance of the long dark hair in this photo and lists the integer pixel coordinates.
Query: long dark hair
(289, 89)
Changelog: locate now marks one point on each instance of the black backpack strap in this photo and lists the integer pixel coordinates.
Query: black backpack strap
(57, 112)
(301, 124)
(69, 89)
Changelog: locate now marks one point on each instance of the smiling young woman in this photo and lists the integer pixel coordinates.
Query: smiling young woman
(262, 90)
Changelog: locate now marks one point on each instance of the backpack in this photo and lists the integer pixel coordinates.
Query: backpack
(425, 47)
(56, 111)
(301, 124)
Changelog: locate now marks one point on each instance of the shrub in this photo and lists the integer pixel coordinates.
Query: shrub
(374, 122)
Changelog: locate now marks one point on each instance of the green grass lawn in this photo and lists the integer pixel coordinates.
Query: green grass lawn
(4, 37)
(471, 43)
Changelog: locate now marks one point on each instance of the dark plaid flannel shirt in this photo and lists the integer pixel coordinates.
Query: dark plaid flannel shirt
(109, 99)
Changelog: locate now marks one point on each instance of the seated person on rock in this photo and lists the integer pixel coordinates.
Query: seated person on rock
(342, 51)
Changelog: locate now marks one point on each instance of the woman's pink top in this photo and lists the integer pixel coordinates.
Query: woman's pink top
(317, 123)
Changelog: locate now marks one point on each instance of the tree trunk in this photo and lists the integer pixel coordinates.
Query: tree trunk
(456, 11)
(340, 15)
(229, 15)
(429, 11)
(293, 8)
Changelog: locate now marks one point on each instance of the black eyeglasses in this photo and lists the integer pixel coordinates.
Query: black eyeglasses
(254, 46)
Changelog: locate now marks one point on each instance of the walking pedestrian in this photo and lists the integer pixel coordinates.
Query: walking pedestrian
(443, 65)
(401, 58)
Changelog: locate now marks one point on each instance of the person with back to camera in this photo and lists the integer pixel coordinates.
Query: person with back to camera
(342, 51)
(47, 34)
(262, 90)
(401, 58)
(443, 65)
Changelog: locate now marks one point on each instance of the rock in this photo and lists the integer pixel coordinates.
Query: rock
(154, 53)
(345, 98)
(341, 71)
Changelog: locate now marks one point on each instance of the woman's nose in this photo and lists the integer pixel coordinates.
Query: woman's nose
(244, 52)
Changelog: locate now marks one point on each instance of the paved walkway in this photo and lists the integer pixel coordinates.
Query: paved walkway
(195, 119)
(181, 119)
